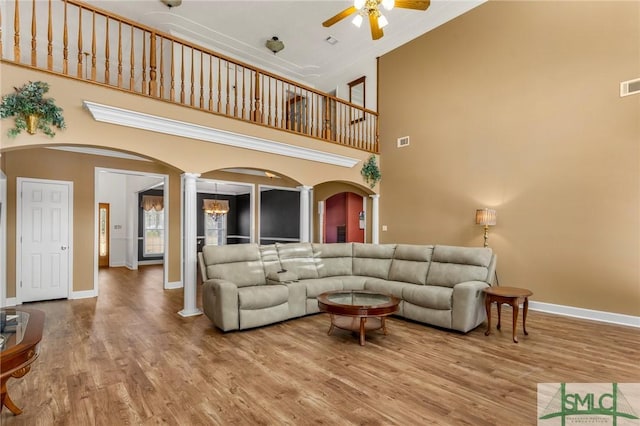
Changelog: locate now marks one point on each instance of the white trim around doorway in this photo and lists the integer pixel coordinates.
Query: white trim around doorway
(96, 284)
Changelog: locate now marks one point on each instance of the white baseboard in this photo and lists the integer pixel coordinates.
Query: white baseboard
(173, 285)
(86, 294)
(10, 301)
(151, 262)
(590, 314)
(117, 264)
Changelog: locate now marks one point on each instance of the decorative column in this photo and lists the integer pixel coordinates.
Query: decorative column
(321, 221)
(305, 234)
(189, 244)
(375, 218)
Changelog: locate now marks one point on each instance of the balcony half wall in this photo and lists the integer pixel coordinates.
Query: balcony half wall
(197, 153)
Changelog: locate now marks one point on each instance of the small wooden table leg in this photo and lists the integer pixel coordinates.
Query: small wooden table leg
(499, 303)
(514, 306)
(363, 320)
(331, 327)
(384, 325)
(524, 315)
(487, 306)
(5, 400)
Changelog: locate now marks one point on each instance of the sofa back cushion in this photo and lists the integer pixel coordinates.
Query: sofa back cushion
(270, 259)
(410, 263)
(298, 258)
(240, 263)
(452, 265)
(333, 260)
(372, 260)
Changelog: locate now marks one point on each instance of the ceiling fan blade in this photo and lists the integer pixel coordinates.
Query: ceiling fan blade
(376, 31)
(339, 17)
(413, 4)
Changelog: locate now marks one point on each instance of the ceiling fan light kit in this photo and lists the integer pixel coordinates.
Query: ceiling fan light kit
(172, 3)
(371, 10)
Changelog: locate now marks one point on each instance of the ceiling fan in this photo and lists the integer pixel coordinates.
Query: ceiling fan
(371, 8)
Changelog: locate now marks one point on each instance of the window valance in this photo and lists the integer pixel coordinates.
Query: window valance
(152, 202)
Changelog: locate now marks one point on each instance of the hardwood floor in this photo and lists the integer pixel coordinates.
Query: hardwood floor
(127, 357)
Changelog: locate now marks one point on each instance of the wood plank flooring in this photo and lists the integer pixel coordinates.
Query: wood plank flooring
(127, 357)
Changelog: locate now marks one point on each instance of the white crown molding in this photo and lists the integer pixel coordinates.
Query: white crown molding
(154, 123)
(589, 314)
(99, 151)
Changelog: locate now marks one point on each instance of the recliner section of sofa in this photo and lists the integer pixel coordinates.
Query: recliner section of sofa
(247, 285)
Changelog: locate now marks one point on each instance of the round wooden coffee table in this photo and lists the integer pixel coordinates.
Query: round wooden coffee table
(509, 295)
(358, 310)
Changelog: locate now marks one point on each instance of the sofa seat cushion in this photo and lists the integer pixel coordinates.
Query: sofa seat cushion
(429, 296)
(353, 282)
(394, 288)
(298, 258)
(264, 296)
(318, 286)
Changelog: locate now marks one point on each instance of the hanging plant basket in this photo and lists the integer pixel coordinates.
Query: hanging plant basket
(370, 171)
(31, 110)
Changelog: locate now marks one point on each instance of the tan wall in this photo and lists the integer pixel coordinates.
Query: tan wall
(516, 106)
(44, 163)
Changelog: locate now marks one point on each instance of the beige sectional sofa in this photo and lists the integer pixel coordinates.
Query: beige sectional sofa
(247, 285)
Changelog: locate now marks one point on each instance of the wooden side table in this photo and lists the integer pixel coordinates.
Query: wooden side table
(512, 296)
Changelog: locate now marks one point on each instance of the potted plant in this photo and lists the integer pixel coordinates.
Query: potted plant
(370, 171)
(31, 110)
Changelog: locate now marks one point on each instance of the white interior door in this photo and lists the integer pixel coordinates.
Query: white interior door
(44, 236)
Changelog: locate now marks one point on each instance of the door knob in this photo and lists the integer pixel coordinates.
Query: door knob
(63, 247)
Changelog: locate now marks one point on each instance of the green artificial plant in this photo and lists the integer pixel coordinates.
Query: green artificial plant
(370, 171)
(28, 101)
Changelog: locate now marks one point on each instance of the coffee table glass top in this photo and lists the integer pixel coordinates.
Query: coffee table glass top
(13, 325)
(358, 298)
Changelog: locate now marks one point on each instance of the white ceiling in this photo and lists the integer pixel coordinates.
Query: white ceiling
(240, 29)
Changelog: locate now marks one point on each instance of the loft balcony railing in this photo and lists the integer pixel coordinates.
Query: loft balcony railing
(77, 40)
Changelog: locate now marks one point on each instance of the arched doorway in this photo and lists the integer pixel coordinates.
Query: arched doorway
(344, 218)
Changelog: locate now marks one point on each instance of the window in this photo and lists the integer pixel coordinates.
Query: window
(153, 232)
(215, 229)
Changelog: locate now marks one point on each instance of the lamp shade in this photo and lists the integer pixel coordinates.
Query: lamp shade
(485, 217)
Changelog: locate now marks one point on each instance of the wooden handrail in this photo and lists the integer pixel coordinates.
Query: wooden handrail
(206, 80)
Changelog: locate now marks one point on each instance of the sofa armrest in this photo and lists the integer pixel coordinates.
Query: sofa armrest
(220, 303)
(468, 305)
(281, 277)
(202, 267)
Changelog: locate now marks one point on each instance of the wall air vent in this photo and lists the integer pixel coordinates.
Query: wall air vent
(403, 141)
(630, 87)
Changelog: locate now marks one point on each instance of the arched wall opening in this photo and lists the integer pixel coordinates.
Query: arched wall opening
(323, 193)
(79, 168)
